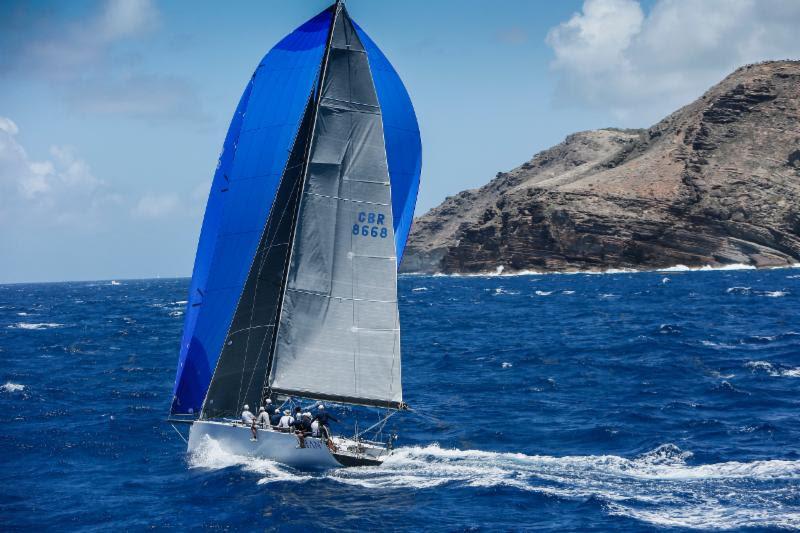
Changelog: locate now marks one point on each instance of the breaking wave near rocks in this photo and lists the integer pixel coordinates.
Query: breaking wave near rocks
(659, 487)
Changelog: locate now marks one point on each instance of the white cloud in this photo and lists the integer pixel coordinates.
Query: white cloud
(157, 206)
(138, 96)
(124, 18)
(59, 49)
(641, 67)
(62, 190)
(58, 190)
(95, 62)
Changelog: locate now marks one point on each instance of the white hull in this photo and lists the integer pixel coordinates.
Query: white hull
(283, 447)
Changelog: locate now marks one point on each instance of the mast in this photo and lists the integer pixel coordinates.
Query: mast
(292, 67)
(337, 7)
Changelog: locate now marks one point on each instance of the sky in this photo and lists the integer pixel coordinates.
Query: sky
(113, 112)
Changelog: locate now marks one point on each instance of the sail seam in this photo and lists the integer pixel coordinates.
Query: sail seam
(354, 299)
(345, 199)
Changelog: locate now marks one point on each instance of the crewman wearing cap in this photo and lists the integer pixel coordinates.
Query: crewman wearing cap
(247, 416)
(275, 418)
(323, 419)
(249, 419)
(263, 418)
(286, 422)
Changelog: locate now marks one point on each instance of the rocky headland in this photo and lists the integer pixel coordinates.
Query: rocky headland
(716, 182)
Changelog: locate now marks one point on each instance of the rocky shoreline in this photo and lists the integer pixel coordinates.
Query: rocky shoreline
(715, 183)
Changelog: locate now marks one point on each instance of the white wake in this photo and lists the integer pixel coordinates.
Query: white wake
(659, 487)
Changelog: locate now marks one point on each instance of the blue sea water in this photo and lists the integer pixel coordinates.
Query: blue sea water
(552, 402)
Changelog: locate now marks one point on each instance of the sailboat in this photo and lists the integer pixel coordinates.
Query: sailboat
(293, 295)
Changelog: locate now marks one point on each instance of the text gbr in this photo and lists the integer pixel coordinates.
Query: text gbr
(370, 225)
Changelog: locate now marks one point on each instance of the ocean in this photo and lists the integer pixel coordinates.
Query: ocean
(621, 401)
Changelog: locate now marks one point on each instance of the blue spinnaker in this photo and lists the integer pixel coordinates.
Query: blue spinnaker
(253, 158)
(401, 134)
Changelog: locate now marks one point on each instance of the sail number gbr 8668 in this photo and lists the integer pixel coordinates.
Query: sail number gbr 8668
(371, 225)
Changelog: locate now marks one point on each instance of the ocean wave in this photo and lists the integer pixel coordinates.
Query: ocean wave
(650, 488)
(35, 325)
(544, 293)
(738, 290)
(500, 271)
(419, 289)
(706, 268)
(12, 387)
(773, 370)
(749, 291)
(501, 290)
(774, 294)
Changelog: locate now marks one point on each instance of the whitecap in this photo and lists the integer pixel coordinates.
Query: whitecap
(544, 293)
(419, 289)
(115, 282)
(13, 387)
(773, 370)
(706, 268)
(774, 294)
(501, 290)
(181, 302)
(568, 292)
(506, 365)
(501, 271)
(738, 290)
(35, 326)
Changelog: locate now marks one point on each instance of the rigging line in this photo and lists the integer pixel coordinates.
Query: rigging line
(216, 366)
(251, 327)
(264, 254)
(258, 280)
(180, 434)
(303, 177)
(382, 422)
(299, 203)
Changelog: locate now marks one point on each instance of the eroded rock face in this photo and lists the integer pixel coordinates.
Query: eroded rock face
(717, 182)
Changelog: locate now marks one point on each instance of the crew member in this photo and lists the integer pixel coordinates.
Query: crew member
(302, 426)
(286, 422)
(275, 418)
(249, 420)
(263, 418)
(323, 419)
(247, 416)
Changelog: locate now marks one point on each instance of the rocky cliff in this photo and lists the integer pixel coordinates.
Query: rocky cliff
(716, 182)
